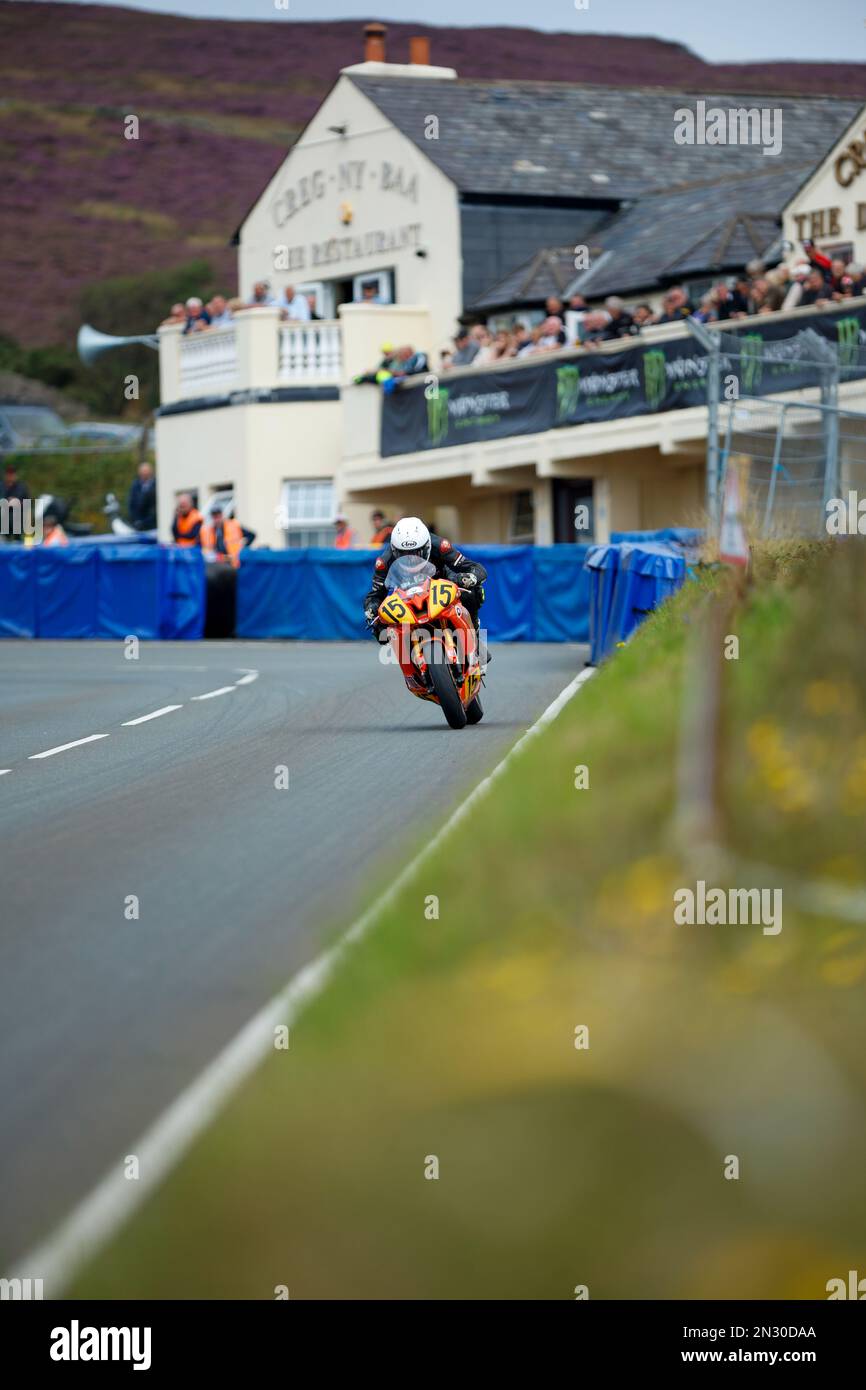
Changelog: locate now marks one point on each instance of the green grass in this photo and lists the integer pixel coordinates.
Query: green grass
(83, 477)
(454, 1037)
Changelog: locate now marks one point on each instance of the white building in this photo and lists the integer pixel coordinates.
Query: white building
(433, 190)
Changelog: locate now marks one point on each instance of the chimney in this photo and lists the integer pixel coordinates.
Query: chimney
(419, 51)
(374, 43)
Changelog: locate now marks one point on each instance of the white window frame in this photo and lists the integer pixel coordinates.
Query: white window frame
(307, 525)
(383, 285)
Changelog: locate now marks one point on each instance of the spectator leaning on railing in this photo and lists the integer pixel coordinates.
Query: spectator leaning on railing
(197, 316)
(297, 306)
(220, 313)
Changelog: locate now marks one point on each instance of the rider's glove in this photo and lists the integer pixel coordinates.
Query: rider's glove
(468, 581)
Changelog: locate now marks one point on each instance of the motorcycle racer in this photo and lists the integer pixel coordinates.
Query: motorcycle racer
(410, 538)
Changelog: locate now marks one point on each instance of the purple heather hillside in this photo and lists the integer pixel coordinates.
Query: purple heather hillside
(219, 104)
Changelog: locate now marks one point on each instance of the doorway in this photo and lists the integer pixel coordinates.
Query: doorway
(573, 511)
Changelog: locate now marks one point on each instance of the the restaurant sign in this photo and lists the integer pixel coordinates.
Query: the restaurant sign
(594, 386)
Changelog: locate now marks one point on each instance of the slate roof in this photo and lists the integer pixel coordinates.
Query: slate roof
(548, 272)
(687, 231)
(666, 236)
(558, 139)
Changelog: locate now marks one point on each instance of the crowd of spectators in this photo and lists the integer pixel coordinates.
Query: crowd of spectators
(197, 316)
(815, 279)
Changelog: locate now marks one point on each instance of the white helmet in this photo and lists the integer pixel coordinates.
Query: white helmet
(411, 537)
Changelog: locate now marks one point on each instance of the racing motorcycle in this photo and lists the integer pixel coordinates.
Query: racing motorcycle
(433, 638)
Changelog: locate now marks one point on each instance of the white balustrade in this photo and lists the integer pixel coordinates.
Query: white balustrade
(311, 352)
(208, 362)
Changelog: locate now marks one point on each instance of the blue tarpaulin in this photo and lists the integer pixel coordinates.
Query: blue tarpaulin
(65, 591)
(532, 594)
(106, 591)
(507, 614)
(562, 584)
(17, 592)
(602, 564)
(272, 594)
(128, 592)
(337, 581)
(560, 593)
(182, 593)
(647, 575)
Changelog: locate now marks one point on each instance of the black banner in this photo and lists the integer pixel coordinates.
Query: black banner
(772, 356)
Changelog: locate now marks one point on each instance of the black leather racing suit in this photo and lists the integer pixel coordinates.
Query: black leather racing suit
(449, 564)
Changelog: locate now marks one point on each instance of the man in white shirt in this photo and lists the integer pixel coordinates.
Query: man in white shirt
(297, 306)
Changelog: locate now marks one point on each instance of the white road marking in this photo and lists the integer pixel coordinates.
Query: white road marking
(112, 1202)
(211, 694)
(248, 678)
(49, 752)
(143, 718)
(4, 770)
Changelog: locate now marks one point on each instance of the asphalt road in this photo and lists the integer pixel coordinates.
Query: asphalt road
(105, 1018)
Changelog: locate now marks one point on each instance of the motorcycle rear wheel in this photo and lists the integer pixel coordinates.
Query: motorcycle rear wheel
(445, 689)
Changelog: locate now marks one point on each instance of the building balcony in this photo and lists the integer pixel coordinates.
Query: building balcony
(257, 352)
(260, 353)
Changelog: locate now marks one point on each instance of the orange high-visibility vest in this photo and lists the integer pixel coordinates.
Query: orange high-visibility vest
(185, 529)
(233, 539)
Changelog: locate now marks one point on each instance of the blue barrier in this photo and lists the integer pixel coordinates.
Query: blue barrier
(272, 594)
(106, 591)
(508, 611)
(532, 594)
(336, 582)
(562, 593)
(127, 594)
(182, 593)
(65, 591)
(602, 565)
(647, 575)
(17, 592)
(538, 594)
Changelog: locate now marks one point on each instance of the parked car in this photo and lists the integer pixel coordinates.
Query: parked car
(107, 434)
(30, 427)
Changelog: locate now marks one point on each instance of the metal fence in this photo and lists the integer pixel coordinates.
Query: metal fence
(801, 453)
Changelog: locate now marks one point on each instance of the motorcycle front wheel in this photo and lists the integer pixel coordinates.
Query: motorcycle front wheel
(443, 686)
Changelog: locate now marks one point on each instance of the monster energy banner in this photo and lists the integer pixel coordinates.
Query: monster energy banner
(466, 409)
(769, 356)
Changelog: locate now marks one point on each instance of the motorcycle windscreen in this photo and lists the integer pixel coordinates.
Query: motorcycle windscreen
(408, 572)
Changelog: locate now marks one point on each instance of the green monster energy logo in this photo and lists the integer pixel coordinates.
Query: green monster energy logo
(751, 360)
(654, 377)
(567, 392)
(437, 415)
(849, 341)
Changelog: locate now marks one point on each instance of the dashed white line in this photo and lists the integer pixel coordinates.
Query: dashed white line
(143, 718)
(4, 770)
(49, 752)
(211, 694)
(248, 678)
